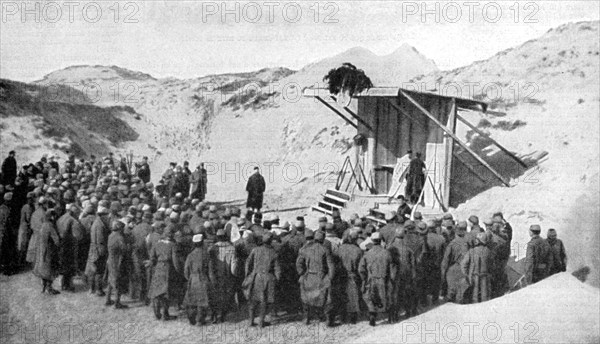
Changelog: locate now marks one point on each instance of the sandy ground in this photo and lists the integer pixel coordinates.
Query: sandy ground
(558, 310)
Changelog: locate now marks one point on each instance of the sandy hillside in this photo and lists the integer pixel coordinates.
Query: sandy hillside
(526, 316)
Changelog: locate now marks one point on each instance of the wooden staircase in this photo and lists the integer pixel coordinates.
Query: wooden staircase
(332, 200)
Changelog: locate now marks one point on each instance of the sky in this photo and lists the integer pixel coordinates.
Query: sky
(188, 39)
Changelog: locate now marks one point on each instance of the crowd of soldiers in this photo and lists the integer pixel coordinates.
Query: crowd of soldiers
(104, 222)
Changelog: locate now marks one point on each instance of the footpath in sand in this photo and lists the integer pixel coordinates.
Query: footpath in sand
(559, 309)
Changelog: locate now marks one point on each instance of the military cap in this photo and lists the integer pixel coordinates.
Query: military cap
(430, 224)
(212, 208)
(535, 228)
(482, 238)
(319, 235)
(447, 223)
(207, 224)
(418, 215)
(309, 234)
(197, 238)
(102, 210)
(322, 219)
(409, 224)
(267, 237)
(474, 219)
(462, 225)
(8, 196)
(285, 225)
(422, 227)
(447, 216)
(488, 222)
(329, 227)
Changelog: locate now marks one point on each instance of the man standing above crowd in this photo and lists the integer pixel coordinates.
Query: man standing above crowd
(144, 171)
(9, 169)
(255, 187)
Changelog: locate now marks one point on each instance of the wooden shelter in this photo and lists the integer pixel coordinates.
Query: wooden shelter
(391, 121)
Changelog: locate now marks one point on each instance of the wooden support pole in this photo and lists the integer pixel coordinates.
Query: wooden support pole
(348, 110)
(478, 131)
(453, 136)
(336, 111)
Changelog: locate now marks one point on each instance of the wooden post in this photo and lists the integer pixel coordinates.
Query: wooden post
(453, 136)
(449, 146)
(336, 111)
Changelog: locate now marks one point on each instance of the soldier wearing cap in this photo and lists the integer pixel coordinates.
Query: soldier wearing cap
(7, 242)
(96, 262)
(71, 232)
(539, 257)
(377, 273)
(403, 208)
(262, 271)
(403, 258)
(45, 259)
(322, 223)
(256, 227)
(25, 228)
(501, 253)
(476, 266)
(436, 245)
(138, 287)
(559, 255)
(349, 255)
(37, 219)
(316, 270)
(473, 223)
(388, 232)
(223, 268)
(451, 272)
(117, 269)
(196, 272)
(163, 259)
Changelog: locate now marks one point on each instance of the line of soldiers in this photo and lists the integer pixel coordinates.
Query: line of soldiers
(116, 232)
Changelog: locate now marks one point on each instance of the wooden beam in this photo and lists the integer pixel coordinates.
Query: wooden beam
(436, 195)
(478, 131)
(337, 112)
(449, 132)
(348, 110)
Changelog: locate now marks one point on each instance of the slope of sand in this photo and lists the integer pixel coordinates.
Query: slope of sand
(559, 309)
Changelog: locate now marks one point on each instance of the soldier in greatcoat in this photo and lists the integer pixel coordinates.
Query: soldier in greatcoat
(377, 273)
(138, 287)
(46, 258)
(451, 271)
(166, 268)
(117, 274)
(316, 270)
(223, 266)
(196, 272)
(262, 272)
(404, 289)
(557, 249)
(70, 232)
(476, 266)
(539, 258)
(96, 262)
(350, 255)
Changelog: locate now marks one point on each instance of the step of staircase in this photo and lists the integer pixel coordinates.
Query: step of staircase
(321, 210)
(332, 198)
(339, 194)
(325, 204)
